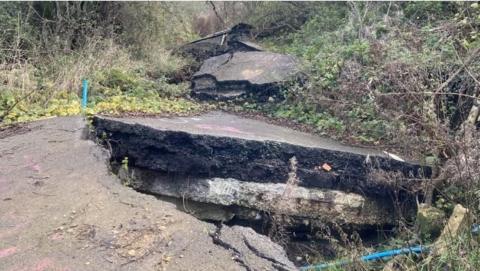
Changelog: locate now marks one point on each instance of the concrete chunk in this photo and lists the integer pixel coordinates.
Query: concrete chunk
(235, 74)
(319, 204)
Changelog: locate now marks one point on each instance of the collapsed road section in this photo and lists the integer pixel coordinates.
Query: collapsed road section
(62, 209)
(234, 67)
(258, 74)
(231, 161)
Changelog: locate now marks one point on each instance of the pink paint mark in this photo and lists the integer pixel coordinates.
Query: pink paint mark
(220, 128)
(43, 264)
(36, 167)
(31, 163)
(56, 236)
(7, 251)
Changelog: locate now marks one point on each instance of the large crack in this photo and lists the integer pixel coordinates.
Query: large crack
(252, 249)
(280, 266)
(235, 172)
(238, 256)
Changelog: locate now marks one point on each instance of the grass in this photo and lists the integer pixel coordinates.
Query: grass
(118, 85)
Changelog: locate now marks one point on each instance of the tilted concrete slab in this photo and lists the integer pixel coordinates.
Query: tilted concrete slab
(259, 74)
(235, 39)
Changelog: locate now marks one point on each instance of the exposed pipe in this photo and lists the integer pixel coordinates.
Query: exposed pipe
(368, 258)
(84, 93)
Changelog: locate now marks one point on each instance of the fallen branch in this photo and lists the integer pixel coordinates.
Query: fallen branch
(8, 110)
(216, 14)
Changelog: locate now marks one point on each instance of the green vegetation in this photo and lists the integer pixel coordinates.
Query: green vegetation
(368, 74)
(403, 76)
(122, 49)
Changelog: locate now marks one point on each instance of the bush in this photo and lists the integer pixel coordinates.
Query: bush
(428, 12)
(121, 48)
(118, 84)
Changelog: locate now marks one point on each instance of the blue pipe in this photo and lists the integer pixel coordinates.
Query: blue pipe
(84, 93)
(368, 258)
(394, 252)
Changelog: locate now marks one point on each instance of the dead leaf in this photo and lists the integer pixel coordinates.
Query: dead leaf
(326, 167)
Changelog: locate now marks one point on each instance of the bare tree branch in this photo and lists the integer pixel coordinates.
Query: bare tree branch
(216, 14)
(8, 110)
(465, 63)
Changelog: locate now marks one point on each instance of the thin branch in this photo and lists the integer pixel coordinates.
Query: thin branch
(467, 69)
(465, 63)
(8, 110)
(426, 93)
(216, 13)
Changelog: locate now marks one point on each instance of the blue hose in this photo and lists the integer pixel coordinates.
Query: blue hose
(380, 255)
(368, 258)
(394, 252)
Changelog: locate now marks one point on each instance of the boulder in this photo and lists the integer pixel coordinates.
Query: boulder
(232, 75)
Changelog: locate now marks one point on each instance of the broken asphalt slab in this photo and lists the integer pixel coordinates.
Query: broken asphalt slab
(259, 74)
(62, 209)
(228, 160)
(234, 39)
(223, 145)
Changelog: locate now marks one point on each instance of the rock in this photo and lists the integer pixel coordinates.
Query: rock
(429, 221)
(455, 225)
(249, 247)
(238, 74)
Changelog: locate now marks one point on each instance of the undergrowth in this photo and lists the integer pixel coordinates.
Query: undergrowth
(117, 85)
(371, 76)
